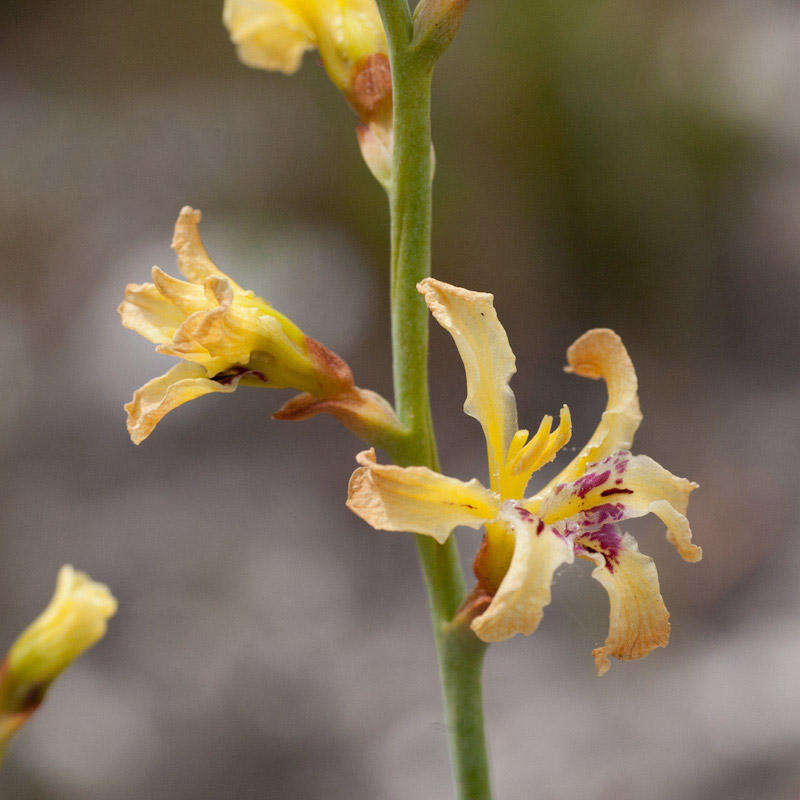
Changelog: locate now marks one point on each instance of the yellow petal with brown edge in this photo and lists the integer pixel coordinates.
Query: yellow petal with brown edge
(600, 353)
(184, 382)
(489, 363)
(362, 411)
(416, 499)
(623, 486)
(146, 311)
(638, 618)
(519, 603)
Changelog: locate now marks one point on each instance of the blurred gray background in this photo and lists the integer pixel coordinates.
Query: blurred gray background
(623, 163)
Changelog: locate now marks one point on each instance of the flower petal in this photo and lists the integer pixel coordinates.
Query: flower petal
(225, 331)
(525, 590)
(620, 487)
(146, 311)
(268, 34)
(638, 619)
(184, 382)
(600, 353)
(362, 411)
(187, 297)
(482, 343)
(193, 260)
(416, 499)
(195, 264)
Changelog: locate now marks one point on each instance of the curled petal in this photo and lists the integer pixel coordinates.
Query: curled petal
(146, 311)
(518, 605)
(621, 487)
(184, 382)
(268, 34)
(600, 353)
(187, 297)
(193, 260)
(482, 343)
(416, 499)
(638, 619)
(679, 532)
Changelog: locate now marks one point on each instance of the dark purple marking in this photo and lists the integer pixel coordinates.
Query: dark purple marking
(540, 527)
(600, 515)
(608, 492)
(524, 514)
(228, 376)
(605, 540)
(621, 461)
(591, 480)
(618, 481)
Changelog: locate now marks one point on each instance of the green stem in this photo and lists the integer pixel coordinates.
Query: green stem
(460, 653)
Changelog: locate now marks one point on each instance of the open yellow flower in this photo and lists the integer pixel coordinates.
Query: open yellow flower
(227, 337)
(349, 35)
(577, 513)
(75, 619)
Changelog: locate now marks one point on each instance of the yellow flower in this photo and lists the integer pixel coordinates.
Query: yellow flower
(577, 513)
(226, 337)
(75, 619)
(274, 35)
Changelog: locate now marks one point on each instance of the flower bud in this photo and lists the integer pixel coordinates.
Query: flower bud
(75, 619)
(436, 23)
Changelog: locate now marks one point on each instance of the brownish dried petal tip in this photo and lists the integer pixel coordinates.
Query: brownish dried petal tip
(370, 91)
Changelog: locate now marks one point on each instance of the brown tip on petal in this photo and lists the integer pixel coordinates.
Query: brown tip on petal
(333, 366)
(361, 411)
(371, 85)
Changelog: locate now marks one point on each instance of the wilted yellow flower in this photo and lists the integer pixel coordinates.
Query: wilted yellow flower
(349, 35)
(577, 513)
(228, 337)
(75, 619)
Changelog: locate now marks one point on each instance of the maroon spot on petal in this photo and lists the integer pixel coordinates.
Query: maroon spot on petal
(524, 514)
(605, 540)
(608, 492)
(591, 480)
(540, 527)
(599, 515)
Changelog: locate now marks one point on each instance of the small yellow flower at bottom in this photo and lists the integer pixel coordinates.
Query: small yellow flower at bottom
(75, 619)
(577, 514)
